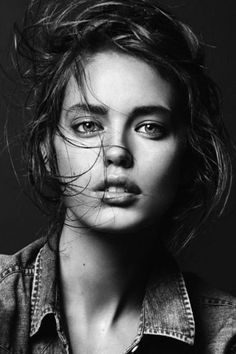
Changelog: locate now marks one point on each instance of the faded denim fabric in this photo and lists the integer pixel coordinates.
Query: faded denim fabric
(173, 319)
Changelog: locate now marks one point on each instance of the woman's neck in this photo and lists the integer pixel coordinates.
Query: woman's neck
(101, 271)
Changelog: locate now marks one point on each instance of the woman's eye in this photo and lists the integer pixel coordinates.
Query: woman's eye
(152, 130)
(87, 128)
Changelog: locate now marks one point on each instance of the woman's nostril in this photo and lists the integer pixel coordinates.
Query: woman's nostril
(118, 155)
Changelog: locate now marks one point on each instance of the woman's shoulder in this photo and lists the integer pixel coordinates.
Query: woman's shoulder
(214, 314)
(203, 293)
(16, 279)
(20, 262)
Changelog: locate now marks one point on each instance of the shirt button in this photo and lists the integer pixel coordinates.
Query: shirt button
(134, 349)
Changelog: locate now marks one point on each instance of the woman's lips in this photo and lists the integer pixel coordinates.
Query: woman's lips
(117, 198)
(117, 190)
(118, 182)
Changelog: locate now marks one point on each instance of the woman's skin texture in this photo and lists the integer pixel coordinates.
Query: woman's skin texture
(123, 147)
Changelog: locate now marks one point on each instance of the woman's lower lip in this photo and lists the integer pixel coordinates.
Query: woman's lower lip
(115, 198)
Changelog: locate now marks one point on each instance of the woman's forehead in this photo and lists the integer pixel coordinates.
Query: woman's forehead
(118, 80)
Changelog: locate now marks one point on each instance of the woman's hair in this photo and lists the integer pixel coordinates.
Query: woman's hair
(56, 38)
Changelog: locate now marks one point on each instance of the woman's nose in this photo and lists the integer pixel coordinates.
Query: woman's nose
(118, 156)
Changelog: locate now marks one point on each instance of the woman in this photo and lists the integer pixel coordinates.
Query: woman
(127, 152)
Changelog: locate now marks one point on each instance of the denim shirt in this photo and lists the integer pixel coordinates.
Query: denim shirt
(178, 315)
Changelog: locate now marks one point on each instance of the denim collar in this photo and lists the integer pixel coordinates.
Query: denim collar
(166, 307)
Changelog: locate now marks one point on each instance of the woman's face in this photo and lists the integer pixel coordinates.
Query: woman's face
(123, 146)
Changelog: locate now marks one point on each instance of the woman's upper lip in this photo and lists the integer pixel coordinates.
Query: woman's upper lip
(118, 181)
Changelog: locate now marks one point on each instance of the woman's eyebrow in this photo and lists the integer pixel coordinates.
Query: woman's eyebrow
(150, 110)
(136, 111)
(88, 108)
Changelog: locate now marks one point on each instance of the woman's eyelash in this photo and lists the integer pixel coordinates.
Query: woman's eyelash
(151, 129)
(87, 127)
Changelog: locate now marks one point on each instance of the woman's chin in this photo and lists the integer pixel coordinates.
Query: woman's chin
(114, 221)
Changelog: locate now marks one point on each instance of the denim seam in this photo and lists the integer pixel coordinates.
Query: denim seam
(172, 332)
(186, 335)
(61, 335)
(169, 333)
(187, 306)
(217, 302)
(166, 329)
(15, 269)
(35, 293)
(47, 310)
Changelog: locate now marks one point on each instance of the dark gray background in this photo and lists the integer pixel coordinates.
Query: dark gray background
(212, 255)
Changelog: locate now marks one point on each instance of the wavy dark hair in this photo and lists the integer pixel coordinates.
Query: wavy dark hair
(56, 37)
